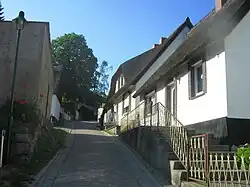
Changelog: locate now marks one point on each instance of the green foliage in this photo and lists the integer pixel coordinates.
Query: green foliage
(103, 74)
(47, 147)
(81, 78)
(245, 153)
(22, 111)
(1, 12)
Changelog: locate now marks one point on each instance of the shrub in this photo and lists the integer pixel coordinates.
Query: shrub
(245, 153)
(23, 111)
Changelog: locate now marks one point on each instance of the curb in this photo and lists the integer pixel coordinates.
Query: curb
(57, 156)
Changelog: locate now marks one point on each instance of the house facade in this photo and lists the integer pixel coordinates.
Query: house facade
(201, 77)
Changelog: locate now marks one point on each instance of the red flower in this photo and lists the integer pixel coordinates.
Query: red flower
(22, 102)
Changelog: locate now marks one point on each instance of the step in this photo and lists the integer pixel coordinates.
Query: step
(172, 156)
(192, 184)
(177, 176)
(176, 165)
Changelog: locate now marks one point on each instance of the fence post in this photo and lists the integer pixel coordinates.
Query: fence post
(206, 157)
(158, 116)
(151, 112)
(188, 161)
(2, 144)
(127, 122)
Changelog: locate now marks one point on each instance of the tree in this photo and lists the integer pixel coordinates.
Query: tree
(103, 75)
(79, 67)
(1, 12)
(81, 78)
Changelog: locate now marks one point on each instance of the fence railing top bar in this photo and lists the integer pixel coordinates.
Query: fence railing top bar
(199, 136)
(175, 118)
(133, 110)
(222, 152)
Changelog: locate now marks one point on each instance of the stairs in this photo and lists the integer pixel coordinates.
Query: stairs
(178, 173)
(173, 145)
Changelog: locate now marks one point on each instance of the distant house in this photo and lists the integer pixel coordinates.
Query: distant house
(201, 76)
(34, 81)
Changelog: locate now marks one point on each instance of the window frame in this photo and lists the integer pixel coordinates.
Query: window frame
(193, 82)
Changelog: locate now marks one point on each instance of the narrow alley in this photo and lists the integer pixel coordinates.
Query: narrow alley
(95, 159)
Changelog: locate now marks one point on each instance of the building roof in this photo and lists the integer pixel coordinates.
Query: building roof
(133, 69)
(214, 27)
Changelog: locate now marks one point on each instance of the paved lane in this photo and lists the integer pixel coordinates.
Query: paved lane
(96, 160)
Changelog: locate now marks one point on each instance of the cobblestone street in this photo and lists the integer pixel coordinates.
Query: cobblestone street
(95, 159)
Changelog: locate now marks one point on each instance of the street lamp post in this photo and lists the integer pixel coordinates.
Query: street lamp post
(19, 23)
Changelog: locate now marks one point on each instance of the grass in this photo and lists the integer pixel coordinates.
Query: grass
(47, 146)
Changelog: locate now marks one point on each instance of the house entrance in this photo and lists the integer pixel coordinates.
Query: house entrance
(171, 100)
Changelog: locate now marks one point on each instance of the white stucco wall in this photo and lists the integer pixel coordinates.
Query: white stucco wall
(55, 107)
(161, 96)
(213, 104)
(238, 67)
(164, 56)
(133, 105)
(119, 112)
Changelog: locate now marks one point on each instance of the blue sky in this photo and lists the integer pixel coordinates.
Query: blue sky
(116, 30)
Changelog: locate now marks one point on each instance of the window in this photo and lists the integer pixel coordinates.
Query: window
(150, 103)
(126, 103)
(120, 83)
(197, 80)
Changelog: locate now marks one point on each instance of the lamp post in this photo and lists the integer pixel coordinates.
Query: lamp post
(19, 24)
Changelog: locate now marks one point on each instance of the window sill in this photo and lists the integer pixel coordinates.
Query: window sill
(197, 95)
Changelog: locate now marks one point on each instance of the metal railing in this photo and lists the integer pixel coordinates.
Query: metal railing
(177, 135)
(212, 168)
(133, 119)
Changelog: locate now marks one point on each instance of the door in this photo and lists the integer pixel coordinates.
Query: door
(171, 102)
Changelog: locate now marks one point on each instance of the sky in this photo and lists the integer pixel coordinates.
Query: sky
(116, 30)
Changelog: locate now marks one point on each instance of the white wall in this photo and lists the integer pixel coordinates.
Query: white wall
(164, 56)
(238, 70)
(120, 116)
(161, 96)
(55, 107)
(133, 105)
(213, 104)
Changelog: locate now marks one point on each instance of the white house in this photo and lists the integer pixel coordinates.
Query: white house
(204, 82)
(134, 72)
(201, 76)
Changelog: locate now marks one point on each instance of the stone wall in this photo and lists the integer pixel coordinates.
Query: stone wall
(152, 148)
(34, 69)
(34, 78)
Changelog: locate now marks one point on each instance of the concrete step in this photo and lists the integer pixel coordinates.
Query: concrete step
(192, 184)
(172, 156)
(177, 176)
(176, 165)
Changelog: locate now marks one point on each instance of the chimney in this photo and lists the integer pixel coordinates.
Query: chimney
(219, 4)
(162, 40)
(155, 45)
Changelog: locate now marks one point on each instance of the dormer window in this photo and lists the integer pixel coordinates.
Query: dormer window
(120, 82)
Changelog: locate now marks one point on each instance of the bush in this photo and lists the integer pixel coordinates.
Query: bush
(22, 111)
(245, 153)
